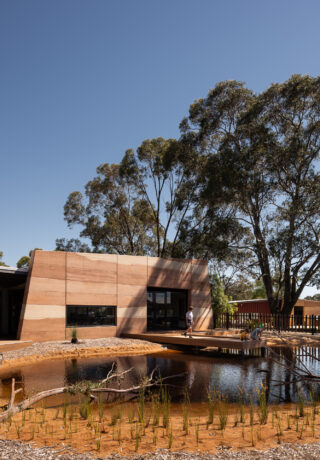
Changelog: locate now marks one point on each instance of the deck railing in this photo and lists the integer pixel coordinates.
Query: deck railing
(298, 323)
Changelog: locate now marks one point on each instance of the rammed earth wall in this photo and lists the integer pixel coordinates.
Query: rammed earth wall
(57, 279)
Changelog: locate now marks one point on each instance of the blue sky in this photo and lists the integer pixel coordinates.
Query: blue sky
(81, 81)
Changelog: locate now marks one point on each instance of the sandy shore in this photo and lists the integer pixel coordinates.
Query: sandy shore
(114, 346)
(30, 353)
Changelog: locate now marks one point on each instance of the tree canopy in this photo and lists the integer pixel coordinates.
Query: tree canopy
(2, 264)
(241, 188)
(262, 157)
(148, 204)
(219, 300)
(24, 261)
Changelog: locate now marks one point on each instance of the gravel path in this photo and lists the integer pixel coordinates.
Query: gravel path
(14, 450)
(59, 348)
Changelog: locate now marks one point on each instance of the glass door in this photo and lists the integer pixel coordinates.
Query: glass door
(166, 309)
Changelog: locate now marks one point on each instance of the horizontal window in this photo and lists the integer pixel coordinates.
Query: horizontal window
(83, 315)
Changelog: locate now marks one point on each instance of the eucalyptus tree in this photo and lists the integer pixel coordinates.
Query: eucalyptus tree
(2, 264)
(145, 205)
(263, 157)
(24, 261)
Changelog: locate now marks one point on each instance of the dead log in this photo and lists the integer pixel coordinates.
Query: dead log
(86, 388)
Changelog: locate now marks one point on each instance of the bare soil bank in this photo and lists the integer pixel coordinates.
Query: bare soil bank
(106, 435)
(113, 346)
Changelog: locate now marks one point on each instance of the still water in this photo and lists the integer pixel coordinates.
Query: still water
(225, 373)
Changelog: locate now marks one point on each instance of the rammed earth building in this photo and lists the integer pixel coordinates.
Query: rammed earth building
(101, 295)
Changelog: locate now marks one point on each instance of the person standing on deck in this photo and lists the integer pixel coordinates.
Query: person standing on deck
(189, 322)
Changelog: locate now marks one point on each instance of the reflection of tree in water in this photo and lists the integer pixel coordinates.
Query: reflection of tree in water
(5, 384)
(288, 369)
(224, 373)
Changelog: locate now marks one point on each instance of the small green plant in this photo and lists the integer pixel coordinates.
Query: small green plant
(253, 441)
(155, 435)
(197, 431)
(301, 430)
(185, 412)
(279, 426)
(130, 416)
(18, 430)
(119, 433)
(141, 405)
(65, 412)
(84, 411)
(98, 444)
(313, 427)
(223, 411)
(211, 404)
(101, 409)
(259, 434)
(23, 418)
(165, 407)
(170, 437)
(115, 415)
(301, 403)
(155, 410)
(288, 422)
(71, 414)
(241, 404)
(251, 411)
(263, 405)
(74, 335)
(137, 438)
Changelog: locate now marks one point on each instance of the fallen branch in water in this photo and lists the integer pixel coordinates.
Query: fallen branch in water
(86, 388)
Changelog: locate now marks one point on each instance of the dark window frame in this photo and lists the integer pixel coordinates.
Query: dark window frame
(152, 321)
(90, 314)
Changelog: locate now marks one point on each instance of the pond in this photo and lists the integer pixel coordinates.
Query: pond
(222, 372)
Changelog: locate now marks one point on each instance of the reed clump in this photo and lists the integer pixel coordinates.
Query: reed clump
(185, 412)
(223, 410)
(154, 422)
(263, 404)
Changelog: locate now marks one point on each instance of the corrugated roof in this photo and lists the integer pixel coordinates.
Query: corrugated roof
(14, 270)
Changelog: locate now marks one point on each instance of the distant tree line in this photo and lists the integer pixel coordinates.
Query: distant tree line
(241, 188)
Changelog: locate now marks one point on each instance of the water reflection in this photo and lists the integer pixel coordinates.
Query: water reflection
(225, 373)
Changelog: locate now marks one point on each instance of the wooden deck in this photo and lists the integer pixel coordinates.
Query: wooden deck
(199, 341)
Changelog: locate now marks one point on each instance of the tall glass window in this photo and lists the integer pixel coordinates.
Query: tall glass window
(84, 315)
(166, 308)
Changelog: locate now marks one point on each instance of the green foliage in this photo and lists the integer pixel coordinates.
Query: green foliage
(74, 333)
(262, 170)
(2, 264)
(72, 245)
(259, 291)
(219, 300)
(313, 297)
(148, 204)
(24, 261)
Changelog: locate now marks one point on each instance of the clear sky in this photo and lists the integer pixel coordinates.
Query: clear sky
(83, 80)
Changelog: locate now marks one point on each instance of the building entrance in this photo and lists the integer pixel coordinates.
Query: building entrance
(166, 309)
(12, 284)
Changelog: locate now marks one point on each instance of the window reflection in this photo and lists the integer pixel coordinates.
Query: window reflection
(83, 315)
(166, 308)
